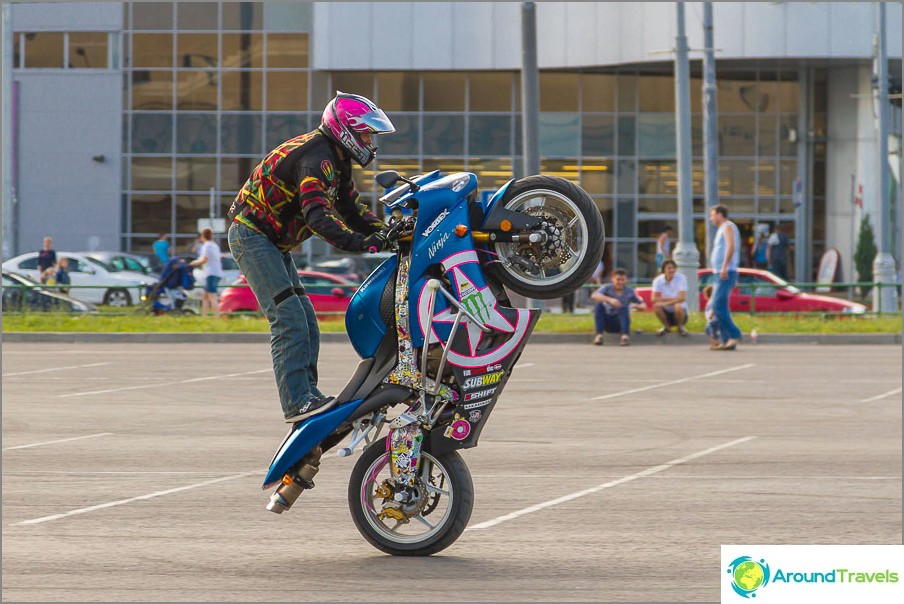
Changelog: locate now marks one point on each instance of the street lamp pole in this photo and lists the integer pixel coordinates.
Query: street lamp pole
(686, 255)
(710, 146)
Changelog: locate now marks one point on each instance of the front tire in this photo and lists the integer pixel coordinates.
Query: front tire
(117, 297)
(446, 498)
(576, 236)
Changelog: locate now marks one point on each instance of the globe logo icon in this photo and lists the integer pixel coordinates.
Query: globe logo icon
(748, 575)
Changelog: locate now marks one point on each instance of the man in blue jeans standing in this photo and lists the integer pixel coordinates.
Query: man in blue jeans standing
(302, 188)
(724, 261)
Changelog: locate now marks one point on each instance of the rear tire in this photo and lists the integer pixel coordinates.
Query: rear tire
(570, 209)
(450, 520)
(117, 297)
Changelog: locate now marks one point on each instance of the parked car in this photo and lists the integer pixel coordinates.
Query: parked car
(92, 280)
(146, 264)
(22, 294)
(768, 293)
(354, 268)
(328, 293)
(231, 270)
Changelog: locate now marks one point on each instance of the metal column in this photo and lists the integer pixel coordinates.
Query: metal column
(530, 89)
(686, 255)
(10, 247)
(710, 125)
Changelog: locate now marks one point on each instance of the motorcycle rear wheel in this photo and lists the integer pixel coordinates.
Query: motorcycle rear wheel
(568, 258)
(444, 504)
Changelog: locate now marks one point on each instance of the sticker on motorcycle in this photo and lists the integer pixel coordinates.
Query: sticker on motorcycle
(487, 379)
(458, 429)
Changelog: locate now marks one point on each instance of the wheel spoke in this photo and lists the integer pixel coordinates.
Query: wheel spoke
(395, 526)
(420, 518)
(436, 490)
(573, 252)
(572, 222)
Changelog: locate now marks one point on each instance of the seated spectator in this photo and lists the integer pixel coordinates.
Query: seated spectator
(712, 323)
(613, 310)
(669, 299)
(62, 274)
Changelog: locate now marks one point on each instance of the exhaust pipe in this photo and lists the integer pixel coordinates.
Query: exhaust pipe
(293, 485)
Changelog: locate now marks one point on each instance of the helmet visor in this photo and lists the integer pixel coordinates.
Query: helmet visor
(376, 121)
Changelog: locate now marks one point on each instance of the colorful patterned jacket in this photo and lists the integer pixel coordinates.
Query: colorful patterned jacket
(301, 189)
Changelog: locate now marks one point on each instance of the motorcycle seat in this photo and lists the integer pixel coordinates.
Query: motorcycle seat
(362, 371)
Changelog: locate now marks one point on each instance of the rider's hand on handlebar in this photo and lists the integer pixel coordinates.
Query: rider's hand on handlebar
(376, 242)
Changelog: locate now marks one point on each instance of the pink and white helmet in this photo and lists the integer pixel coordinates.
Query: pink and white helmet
(346, 117)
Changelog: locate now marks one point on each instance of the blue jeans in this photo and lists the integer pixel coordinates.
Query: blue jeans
(619, 322)
(721, 291)
(294, 333)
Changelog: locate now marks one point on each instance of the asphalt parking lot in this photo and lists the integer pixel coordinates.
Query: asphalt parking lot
(133, 471)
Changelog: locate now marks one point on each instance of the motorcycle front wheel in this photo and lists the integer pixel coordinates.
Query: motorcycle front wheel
(575, 236)
(433, 519)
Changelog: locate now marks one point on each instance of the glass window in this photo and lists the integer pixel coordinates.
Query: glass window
(152, 50)
(652, 228)
(788, 92)
(657, 93)
(627, 92)
(404, 141)
(152, 133)
(197, 51)
(661, 205)
(151, 213)
(152, 173)
(196, 15)
(242, 90)
(490, 91)
(598, 135)
(196, 173)
(44, 50)
(88, 50)
(243, 51)
(658, 178)
(287, 91)
(283, 126)
(626, 135)
(559, 91)
(740, 205)
(788, 174)
(736, 96)
(354, 82)
(624, 258)
(787, 123)
(598, 176)
(564, 168)
(625, 221)
(288, 50)
(152, 15)
(737, 135)
(735, 177)
(559, 134)
(491, 173)
(598, 91)
(626, 177)
(444, 135)
(196, 90)
(17, 46)
(152, 90)
(605, 206)
(241, 134)
(444, 91)
(646, 261)
(656, 135)
(243, 15)
(490, 135)
(768, 135)
(189, 208)
(769, 95)
(397, 91)
(765, 170)
(196, 133)
(234, 171)
(410, 166)
(364, 179)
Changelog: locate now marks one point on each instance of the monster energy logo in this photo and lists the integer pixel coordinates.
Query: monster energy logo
(475, 305)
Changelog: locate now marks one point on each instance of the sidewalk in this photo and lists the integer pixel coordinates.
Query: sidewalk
(637, 339)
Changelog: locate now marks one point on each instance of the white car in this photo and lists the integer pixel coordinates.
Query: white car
(100, 283)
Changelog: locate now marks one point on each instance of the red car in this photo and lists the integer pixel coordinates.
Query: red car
(781, 296)
(329, 294)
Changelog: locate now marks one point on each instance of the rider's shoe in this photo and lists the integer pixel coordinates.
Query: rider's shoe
(316, 405)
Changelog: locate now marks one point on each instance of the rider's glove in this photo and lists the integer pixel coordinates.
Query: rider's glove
(376, 242)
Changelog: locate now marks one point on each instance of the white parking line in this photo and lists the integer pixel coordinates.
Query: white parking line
(62, 440)
(663, 384)
(880, 396)
(140, 386)
(53, 369)
(111, 504)
(607, 485)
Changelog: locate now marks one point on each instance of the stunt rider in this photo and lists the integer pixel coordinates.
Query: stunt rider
(303, 188)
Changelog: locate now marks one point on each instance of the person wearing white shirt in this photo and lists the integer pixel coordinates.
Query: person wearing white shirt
(670, 299)
(209, 259)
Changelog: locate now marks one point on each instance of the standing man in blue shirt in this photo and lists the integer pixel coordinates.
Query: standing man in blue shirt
(724, 261)
(161, 248)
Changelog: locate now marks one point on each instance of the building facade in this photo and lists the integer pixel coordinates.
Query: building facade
(136, 119)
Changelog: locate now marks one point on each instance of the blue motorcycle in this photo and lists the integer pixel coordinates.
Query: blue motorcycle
(439, 339)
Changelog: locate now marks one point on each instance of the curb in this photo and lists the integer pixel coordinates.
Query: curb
(645, 339)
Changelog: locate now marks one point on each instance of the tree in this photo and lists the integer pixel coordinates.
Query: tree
(865, 253)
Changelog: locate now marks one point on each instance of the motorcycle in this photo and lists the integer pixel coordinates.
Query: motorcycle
(439, 339)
